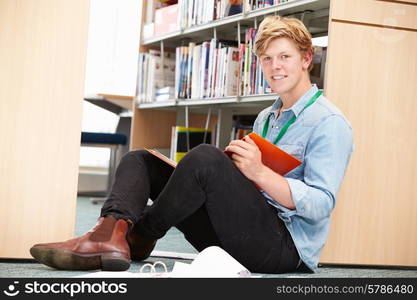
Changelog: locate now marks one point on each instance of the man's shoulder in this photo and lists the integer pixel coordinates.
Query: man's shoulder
(264, 113)
(322, 110)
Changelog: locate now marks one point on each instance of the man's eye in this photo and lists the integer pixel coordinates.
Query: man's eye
(266, 58)
(284, 56)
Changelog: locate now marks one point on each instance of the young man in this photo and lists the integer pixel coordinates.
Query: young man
(268, 222)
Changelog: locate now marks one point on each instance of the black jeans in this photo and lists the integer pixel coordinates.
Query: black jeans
(208, 199)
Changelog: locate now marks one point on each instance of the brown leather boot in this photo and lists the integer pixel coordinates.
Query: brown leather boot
(140, 247)
(104, 247)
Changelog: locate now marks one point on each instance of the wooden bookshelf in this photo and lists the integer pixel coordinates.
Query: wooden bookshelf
(371, 78)
(226, 28)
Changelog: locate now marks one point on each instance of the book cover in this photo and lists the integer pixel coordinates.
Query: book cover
(162, 157)
(166, 20)
(274, 157)
(232, 72)
(195, 80)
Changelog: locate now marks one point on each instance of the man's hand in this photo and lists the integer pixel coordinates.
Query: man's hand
(247, 157)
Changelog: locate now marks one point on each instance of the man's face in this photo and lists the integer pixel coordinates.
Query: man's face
(283, 65)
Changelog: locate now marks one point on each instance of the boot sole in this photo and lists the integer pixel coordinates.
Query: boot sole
(67, 260)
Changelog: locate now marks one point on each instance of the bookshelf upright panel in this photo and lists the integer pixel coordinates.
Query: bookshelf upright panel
(374, 85)
(42, 89)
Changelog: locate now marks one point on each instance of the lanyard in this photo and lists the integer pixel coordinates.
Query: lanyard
(290, 122)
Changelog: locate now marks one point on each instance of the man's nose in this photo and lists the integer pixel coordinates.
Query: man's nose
(276, 63)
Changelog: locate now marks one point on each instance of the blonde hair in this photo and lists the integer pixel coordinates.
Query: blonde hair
(273, 27)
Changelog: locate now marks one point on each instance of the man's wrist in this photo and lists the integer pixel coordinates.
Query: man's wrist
(263, 175)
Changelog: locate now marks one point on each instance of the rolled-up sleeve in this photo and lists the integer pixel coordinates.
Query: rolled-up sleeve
(326, 158)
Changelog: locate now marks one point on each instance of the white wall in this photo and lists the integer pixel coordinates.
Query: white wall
(113, 47)
(112, 53)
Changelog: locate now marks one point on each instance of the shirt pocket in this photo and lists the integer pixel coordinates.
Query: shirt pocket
(297, 151)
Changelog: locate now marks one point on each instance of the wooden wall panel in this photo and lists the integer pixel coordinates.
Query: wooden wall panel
(371, 76)
(385, 13)
(42, 59)
(152, 128)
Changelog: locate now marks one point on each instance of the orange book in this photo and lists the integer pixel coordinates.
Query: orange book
(274, 157)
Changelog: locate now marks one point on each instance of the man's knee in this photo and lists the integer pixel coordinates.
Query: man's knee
(204, 154)
(133, 155)
(205, 150)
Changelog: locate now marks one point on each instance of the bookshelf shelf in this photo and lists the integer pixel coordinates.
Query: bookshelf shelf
(258, 98)
(157, 104)
(210, 101)
(229, 101)
(170, 36)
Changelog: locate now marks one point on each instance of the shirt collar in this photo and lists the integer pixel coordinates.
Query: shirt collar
(299, 105)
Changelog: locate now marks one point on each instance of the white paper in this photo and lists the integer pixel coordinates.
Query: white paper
(211, 262)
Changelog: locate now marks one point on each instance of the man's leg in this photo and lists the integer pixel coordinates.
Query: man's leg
(198, 230)
(140, 176)
(245, 224)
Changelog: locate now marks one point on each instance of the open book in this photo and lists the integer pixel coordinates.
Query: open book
(273, 157)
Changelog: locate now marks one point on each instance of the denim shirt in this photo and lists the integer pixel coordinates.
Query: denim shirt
(321, 137)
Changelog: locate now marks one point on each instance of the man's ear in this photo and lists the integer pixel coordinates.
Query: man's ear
(307, 59)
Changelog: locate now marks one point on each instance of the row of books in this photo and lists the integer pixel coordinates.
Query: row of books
(219, 68)
(266, 3)
(252, 80)
(156, 76)
(207, 70)
(195, 12)
(161, 18)
(212, 69)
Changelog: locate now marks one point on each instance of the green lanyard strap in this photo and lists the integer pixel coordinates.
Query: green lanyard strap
(290, 122)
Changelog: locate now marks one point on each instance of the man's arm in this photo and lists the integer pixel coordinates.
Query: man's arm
(327, 155)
